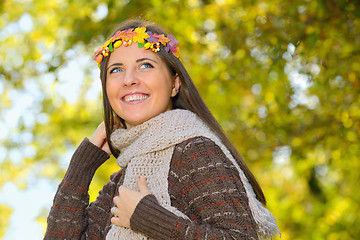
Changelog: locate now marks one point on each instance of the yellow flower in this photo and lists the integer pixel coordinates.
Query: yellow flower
(147, 45)
(141, 35)
(108, 42)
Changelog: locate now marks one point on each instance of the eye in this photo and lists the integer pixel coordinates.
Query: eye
(146, 65)
(115, 70)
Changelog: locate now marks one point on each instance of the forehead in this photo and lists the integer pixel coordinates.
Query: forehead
(131, 53)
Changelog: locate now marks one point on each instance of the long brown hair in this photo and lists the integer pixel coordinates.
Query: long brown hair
(188, 98)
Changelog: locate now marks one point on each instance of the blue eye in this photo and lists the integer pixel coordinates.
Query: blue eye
(115, 70)
(146, 65)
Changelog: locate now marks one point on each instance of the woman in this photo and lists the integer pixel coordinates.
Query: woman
(180, 176)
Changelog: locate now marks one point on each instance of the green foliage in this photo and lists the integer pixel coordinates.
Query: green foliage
(282, 78)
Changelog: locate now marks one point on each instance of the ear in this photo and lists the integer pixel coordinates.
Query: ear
(176, 85)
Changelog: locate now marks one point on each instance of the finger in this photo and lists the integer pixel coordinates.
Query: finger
(116, 221)
(99, 135)
(120, 222)
(122, 189)
(142, 185)
(106, 148)
(116, 200)
(115, 211)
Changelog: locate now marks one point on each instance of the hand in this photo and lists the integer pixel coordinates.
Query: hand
(99, 138)
(126, 203)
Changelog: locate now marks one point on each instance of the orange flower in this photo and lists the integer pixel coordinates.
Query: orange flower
(161, 38)
(128, 34)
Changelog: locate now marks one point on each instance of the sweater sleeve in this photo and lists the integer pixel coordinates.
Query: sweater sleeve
(71, 217)
(204, 185)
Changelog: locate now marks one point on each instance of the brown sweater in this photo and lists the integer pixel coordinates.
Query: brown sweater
(203, 184)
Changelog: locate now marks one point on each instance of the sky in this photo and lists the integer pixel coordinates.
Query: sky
(27, 206)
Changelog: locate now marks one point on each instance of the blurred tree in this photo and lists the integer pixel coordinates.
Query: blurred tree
(4, 220)
(282, 77)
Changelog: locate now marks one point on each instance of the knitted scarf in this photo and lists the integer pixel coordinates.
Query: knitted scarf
(146, 150)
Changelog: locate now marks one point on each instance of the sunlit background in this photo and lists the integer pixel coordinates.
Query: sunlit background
(282, 78)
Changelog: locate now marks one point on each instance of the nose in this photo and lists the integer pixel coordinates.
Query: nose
(130, 78)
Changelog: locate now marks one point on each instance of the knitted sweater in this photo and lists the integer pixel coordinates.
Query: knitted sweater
(203, 184)
(146, 150)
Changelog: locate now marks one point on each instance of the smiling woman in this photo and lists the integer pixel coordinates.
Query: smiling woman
(180, 177)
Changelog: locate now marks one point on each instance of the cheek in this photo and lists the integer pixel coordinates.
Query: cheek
(111, 86)
(111, 92)
(166, 88)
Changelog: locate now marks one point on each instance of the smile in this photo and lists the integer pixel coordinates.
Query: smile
(135, 97)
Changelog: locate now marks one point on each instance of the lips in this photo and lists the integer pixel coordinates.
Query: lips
(133, 97)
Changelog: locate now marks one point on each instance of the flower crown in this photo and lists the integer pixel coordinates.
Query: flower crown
(144, 38)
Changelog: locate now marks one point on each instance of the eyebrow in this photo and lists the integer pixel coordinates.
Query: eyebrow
(138, 60)
(145, 59)
(115, 64)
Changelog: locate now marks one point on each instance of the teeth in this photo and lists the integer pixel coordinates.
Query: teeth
(135, 98)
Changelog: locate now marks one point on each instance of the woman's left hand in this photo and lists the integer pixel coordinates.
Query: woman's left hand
(126, 203)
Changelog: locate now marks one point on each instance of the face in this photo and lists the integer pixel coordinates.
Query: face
(139, 85)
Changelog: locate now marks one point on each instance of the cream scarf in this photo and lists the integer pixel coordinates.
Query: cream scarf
(146, 150)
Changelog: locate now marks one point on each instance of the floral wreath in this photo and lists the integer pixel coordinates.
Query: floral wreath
(144, 38)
